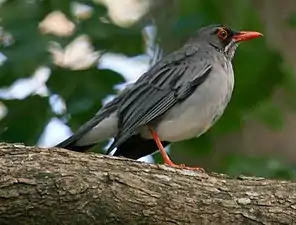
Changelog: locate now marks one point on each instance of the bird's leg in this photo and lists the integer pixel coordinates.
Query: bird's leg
(163, 153)
(166, 158)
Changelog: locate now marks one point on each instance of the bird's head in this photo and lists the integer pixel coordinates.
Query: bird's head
(224, 39)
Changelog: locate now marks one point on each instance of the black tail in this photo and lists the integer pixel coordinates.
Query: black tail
(136, 147)
(73, 147)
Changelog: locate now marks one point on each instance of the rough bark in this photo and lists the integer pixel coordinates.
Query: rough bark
(56, 186)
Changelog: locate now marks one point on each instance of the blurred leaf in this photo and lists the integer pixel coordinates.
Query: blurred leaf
(269, 114)
(28, 50)
(236, 165)
(83, 91)
(292, 20)
(158, 158)
(289, 84)
(194, 151)
(25, 120)
(106, 36)
(63, 6)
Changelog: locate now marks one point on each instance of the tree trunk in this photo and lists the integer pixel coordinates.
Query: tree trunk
(56, 186)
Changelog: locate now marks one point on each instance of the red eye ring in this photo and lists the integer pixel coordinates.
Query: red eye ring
(222, 34)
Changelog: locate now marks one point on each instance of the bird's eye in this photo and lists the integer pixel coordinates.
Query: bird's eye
(222, 34)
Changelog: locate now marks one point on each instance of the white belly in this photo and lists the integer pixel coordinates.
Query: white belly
(187, 126)
(195, 115)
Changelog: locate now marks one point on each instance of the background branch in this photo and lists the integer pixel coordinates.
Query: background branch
(55, 186)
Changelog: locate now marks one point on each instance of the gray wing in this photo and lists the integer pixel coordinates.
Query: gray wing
(170, 81)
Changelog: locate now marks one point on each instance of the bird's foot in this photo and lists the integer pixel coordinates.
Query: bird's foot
(183, 166)
(167, 160)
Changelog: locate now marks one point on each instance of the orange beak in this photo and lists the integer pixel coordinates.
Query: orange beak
(246, 35)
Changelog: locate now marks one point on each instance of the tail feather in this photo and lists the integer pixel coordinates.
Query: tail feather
(71, 142)
(75, 148)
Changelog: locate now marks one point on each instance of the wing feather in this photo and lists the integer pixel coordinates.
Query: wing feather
(166, 84)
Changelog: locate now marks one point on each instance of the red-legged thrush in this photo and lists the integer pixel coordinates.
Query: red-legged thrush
(179, 98)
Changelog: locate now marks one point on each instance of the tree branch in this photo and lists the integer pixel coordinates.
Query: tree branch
(55, 186)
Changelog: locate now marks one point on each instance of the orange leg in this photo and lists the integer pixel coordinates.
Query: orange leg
(166, 158)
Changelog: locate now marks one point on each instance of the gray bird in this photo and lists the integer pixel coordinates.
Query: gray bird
(179, 98)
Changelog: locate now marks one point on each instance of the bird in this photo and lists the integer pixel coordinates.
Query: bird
(180, 97)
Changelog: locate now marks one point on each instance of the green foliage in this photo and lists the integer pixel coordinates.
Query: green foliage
(269, 114)
(292, 20)
(259, 71)
(261, 166)
(25, 120)
(82, 91)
